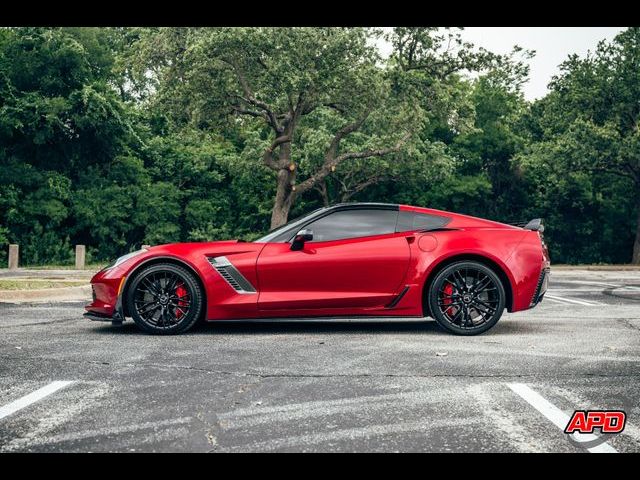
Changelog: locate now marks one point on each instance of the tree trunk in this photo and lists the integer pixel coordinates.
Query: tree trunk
(285, 195)
(324, 192)
(287, 190)
(284, 199)
(635, 259)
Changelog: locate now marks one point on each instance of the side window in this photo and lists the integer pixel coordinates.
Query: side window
(408, 221)
(353, 223)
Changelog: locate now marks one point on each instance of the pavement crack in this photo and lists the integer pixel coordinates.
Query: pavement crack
(611, 292)
(209, 430)
(49, 322)
(331, 375)
(627, 323)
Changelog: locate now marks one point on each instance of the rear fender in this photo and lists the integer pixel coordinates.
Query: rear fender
(432, 251)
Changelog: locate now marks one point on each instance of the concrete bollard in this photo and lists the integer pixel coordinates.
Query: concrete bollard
(80, 254)
(14, 252)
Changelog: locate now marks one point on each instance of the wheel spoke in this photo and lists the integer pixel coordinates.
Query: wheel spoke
(460, 282)
(151, 286)
(476, 279)
(479, 281)
(486, 281)
(173, 317)
(449, 304)
(176, 285)
(450, 283)
(180, 304)
(145, 304)
(172, 284)
(489, 308)
(146, 310)
(457, 314)
(467, 317)
(482, 314)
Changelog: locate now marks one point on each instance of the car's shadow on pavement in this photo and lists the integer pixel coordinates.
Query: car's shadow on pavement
(289, 327)
(308, 327)
(320, 327)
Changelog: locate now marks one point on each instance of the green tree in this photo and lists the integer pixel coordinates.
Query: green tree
(277, 79)
(490, 147)
(58, 117)
(589, 121)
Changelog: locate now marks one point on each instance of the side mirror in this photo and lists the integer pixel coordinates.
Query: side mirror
(301, 237)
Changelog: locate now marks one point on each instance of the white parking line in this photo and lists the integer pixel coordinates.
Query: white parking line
(557, 416)
(297, 442)
(581, 291)
(573, 300)
(547, 297)
(107, 431)
(33, 397)
(584, 282)
(628, 288)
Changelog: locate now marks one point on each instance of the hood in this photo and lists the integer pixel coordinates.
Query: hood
(209, 249)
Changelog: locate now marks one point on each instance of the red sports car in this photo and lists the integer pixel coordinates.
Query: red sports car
(349, 260)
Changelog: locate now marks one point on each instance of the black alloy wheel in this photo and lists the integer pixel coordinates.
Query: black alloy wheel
(165, 299)
(467, 298)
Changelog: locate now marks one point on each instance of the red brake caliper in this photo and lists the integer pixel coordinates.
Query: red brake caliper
(448, 291)
(180, 292)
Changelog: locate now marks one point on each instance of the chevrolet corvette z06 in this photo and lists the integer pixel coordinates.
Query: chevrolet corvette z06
(344, 261)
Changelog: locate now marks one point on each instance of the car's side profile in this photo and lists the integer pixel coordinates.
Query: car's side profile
(348, 260)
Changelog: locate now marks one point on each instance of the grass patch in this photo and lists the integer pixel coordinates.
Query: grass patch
(38, 284)
(93, 267)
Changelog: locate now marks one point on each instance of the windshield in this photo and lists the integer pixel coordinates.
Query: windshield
(290, 225)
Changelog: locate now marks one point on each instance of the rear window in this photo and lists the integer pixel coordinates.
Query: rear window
(408, 221)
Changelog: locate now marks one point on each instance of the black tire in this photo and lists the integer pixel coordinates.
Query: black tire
(165, 299)
(466, 298)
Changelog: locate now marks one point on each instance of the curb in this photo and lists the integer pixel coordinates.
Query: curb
(597, 268)
(81, 293)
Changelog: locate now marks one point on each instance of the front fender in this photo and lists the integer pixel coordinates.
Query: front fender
(221, 300)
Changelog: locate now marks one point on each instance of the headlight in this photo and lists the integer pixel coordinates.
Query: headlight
(126, 257)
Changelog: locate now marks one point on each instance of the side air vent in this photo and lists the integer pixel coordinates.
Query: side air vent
(231, 275)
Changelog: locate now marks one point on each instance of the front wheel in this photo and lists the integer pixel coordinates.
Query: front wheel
(165, 299)
(467, 298)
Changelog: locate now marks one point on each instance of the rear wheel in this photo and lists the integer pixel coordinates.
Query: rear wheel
(165, 299)
(467, 298)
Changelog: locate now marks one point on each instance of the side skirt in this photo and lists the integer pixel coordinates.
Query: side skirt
(361, 319)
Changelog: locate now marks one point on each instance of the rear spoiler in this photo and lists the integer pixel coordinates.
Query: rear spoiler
(535, 225)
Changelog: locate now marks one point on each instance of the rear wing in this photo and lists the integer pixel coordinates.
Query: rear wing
(536, 225)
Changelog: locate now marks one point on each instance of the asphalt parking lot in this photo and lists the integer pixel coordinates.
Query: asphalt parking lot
(393, 386)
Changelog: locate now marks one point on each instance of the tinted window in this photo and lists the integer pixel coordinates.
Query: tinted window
(353, 223)
(286, 231)
(408, 221)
